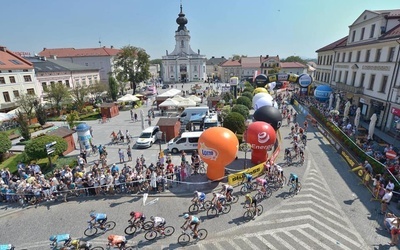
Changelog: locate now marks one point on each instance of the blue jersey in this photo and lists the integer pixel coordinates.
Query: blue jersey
(61, 237)
(202, 196)
(248, 177)
(293, 177)
(5, 247)
(100, 217)
(194, 219)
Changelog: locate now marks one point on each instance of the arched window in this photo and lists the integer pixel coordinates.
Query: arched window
(182, 44)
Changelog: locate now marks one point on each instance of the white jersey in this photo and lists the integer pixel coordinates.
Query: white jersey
(158, 221)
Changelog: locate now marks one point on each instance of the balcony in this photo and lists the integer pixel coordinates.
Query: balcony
(351, 89)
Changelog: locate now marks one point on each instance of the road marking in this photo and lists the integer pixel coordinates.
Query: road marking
(283, 242)
(312, 238)
(297, 240)
(217, 245)
(249, 243)
(265, 242)
(234, 245)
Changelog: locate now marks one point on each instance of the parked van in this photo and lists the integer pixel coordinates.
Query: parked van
(193, 112)
(187, 141)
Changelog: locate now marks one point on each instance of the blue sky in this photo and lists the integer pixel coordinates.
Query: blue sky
(217, 27)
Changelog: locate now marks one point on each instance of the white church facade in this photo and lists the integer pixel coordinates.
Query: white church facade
(183, 64)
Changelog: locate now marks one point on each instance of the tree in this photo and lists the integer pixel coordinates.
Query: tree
(26, 105)
(97, 88)
(244, 100)
(72, 118)
(36, 148)
(237, 57)
(113, 87)
(132, 65)
(248, 94)
(41, 114)
(241, 109)
(23, 126)
(294, 59)
(235, 122)
(78, 94)
(5, 143)
(58, 93)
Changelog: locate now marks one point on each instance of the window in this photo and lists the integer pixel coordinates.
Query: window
(90, 80)
(27, 78)
(362, 34)
(384, 82)
(330, 60)
(337, 57)
(378, 55)
(44, 86)
(353, 78)
(371, 82)
(67, 83)
(334, 75)
(362, 80)
(12, 79)
(350, 55)
(171, 68)
(358, 56)
(182, 44)
(343, 56)
(16, 62)
(372, 31)
(367, 55)
(391, 54)
(2, 81)
(6, 97)
(2, 63)
(30, 91)
(353, 36)
(86, 64)
(193, 139)
(346, 74)
(52, 84)
(340, 76)
(59, 82)
(16, 93)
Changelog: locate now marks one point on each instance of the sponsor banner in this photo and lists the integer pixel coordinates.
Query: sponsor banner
(237, 178)
(348, 159)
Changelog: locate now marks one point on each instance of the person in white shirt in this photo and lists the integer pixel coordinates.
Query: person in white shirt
(390, 185)
(385, 200)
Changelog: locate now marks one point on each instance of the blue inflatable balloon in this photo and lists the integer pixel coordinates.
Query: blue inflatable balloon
(322, 93)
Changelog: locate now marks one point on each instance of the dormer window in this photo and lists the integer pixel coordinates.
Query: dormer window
(353, 36)
(362, 34)
(371, 34)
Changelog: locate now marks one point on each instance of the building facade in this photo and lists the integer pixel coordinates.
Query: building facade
(293, 68)
(183, 64)
(96, 58)
(364, 66)
(213, 68)
(17, 77)
(231, 68)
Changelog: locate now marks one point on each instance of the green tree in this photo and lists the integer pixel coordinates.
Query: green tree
(244, 100)
(113, 84)
(23, 126)
(97, 88)
(26, 105)
(41, 114)
(78, 95)
(58, 93)
(248, 94)
(132, 65)
(72, 118)
(36, 148)
(241, 109)
(294, 59)
(235, 122)
(5, 143)
(227, 96)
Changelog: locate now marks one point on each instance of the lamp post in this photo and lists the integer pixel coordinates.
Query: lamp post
(245, 147)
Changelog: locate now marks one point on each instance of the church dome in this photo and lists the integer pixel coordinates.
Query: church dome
(181, 21)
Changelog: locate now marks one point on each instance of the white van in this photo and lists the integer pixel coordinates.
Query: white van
(187, 141)
(193, 112)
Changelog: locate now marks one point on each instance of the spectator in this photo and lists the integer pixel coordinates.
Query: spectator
(121, 156)
(390, 185)
(114, 169)
(385, 200)
(368, 167)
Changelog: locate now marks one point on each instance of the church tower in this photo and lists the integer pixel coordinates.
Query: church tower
(183, 64)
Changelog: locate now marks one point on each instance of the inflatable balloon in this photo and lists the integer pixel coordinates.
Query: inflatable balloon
(261, 80)
(261, 136)
(304, 80)
(217, 147)
(322, 93)
(260, 90)
(269, 115)
(259, 96)
(265, 101)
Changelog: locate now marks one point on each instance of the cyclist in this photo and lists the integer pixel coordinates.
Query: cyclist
(294, 178)
(267, 167)
(99, 218)
(7, 247)
(199, 197)
(77, 244)
(251, 201)
(288, 155)
(279, 169)
(113, 136)
(247, 177)
(117, 240)
(218, 199)
(60, 238)
(190, 222)
(227, 191)
(137, 217)
(304, 139)
(301, 153)
(263, 183)
(158, 223)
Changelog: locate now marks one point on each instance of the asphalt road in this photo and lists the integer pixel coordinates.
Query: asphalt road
(331, 212)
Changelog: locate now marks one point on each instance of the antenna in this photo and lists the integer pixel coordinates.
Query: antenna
(100, 41)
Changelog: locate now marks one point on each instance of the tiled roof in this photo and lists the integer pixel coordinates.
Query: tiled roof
(10, 60)
(250, 62)
(216, 61)
(54, 65)
(292, 65)
(231, 63)
(72, 52)
(61, 132)
(339, 43)
(395, 32)
(267, 58)
(391, 13)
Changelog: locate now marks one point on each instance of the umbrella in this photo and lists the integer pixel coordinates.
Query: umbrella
(346, 110)
(337, 102)
(169, 103)
(330, 101)
(391, 154)
(371, 127)
(357, 118)
(128, 98)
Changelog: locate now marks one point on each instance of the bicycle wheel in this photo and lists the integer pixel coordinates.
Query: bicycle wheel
(244, 190)
(259, 197)
(148, 225)
(207, 205)
(183, 239)
(260, 209)
(110, 225)
(202, 170)
(212, 212)
(234, 199)
(193, 209)
(168, 231)
(226, 208)
(268, 193)
(90, 231)
(248, 215)
(202, 234)
(150, 235)
(254, 186)
(129, 230)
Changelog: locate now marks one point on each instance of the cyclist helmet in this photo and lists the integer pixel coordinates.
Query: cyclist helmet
(75, 243)
(247, 195)
(185, 216)
(195, 192)
(151, 217)
(53, 238)
(224, 185)
(132, 213)
(110, 237)
(92, 215)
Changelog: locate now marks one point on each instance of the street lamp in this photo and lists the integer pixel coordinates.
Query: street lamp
(245, 147)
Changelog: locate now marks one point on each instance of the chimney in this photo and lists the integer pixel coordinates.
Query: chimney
(112, 46)
(212, 57)
(222, 57)
(53, 57)
(266, 56)
(44, 48)
(104, 47)
(2, 48)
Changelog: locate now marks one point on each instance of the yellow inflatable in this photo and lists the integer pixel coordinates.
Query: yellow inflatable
(260, 90)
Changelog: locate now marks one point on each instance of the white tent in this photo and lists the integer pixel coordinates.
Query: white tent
(194, 98)
(170, 93)
(5, 117)
(169, 103)
(187, 103)
(128, 98)
(178, 98)
(14, 112)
